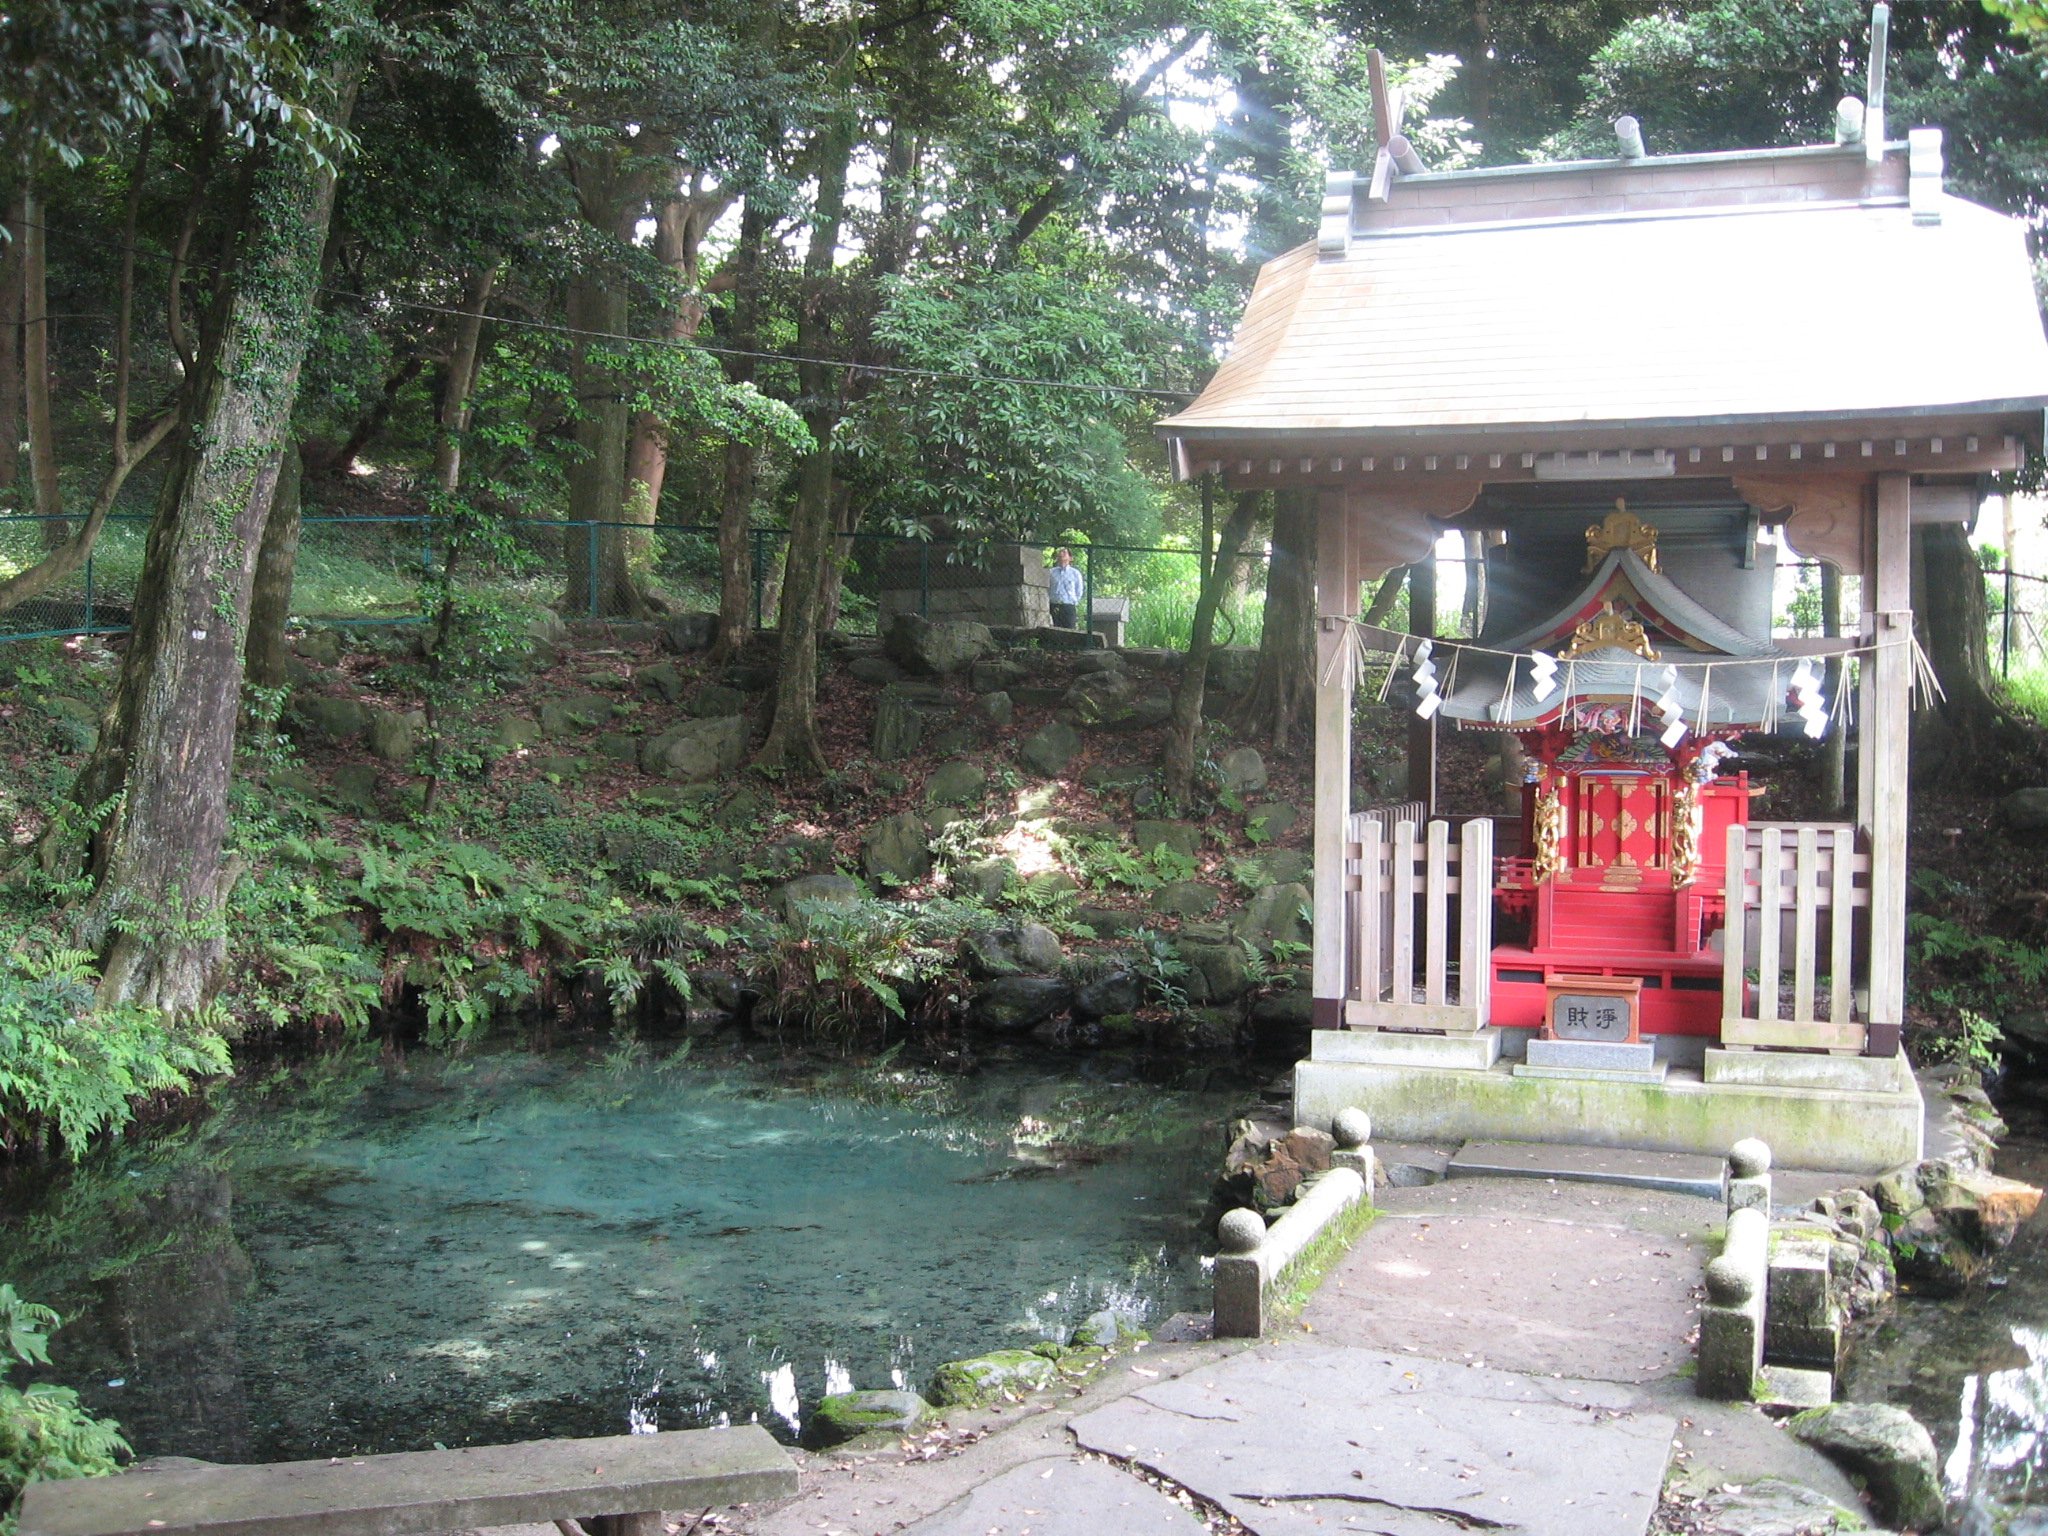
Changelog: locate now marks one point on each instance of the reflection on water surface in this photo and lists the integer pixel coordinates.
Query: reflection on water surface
(356, 1255)
(1975, 1370)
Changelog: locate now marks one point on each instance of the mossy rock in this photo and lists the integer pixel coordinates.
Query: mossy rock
(847, 1415)
(1004, 1376)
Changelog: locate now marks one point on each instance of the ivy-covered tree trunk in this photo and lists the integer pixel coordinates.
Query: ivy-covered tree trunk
(793, 742)
(1284, 684)
(158, 781)
(277, 561)
(1185, 724)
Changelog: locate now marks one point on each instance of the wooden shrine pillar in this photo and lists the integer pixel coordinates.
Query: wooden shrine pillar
(1336, 606)
(1886, 717)
(1422, 734)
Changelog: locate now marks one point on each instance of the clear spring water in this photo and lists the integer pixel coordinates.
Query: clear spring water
(362, 1254)
(1974, 1369)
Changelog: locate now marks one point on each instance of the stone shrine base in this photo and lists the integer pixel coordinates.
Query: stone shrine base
(1853, 1114)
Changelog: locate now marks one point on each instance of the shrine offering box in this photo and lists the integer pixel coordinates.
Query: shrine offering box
(1606, 1009)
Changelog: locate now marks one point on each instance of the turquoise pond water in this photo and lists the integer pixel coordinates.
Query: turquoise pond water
(372, 1253)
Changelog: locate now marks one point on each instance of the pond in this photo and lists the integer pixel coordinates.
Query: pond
(1974, 1369)
(377, 1252)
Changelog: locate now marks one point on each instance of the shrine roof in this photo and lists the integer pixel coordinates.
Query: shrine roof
(1662, 598)
(1812, 307)
(1716, 693)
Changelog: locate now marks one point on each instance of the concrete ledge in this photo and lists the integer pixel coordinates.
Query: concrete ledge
(1243, 1281)
(1806, 1127)
(1654, 1074)
(1784, 1069)
(1379, 1047)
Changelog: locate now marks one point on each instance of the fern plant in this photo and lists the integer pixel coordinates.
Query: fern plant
(44, 1432)
(68, 1073)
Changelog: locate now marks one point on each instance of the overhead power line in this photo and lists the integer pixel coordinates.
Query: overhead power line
(552, 327)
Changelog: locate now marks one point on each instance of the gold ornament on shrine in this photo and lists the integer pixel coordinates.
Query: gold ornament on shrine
(1548, 856)
(1610, 626)
(1688, 821)
(1621, 530)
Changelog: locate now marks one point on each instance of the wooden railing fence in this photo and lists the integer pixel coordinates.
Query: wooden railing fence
(1407, 898)
(1782, 873)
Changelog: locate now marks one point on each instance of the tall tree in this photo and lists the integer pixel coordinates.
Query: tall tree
(156, 785)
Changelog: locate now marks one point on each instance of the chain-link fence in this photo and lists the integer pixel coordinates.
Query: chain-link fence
(2019, 634)
(367, 570)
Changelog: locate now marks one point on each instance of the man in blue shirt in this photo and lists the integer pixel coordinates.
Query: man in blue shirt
(1065, 592)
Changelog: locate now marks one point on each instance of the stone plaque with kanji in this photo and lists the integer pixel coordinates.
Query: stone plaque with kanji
(1591, 1016)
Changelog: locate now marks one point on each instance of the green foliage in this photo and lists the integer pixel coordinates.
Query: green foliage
(840, 970)
(76, 75)
(68, 1073)
(44, 1433)
(1112, 861)
(1159, 967)
(468, 932)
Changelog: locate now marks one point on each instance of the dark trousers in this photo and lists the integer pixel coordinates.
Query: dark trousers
(1063, 615)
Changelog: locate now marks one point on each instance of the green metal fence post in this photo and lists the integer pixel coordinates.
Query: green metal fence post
(88, 591)
(2005, 638)
(1087, 589)
(592, 557)
(754, 538)
(924, 579)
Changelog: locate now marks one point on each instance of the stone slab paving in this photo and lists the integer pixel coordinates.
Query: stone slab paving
(1678, 1173)
(1068, 1496)
(1525, 1275)
(1299, 1439)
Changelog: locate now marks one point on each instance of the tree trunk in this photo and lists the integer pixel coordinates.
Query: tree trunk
(597, 480)
(270, 601)
(1834, 748)
(679, 226)
(160, 773)
(465, 367)
(736, 495)
(35, 374)
(793, 739)
(10, 353)
(832, 580)
(612, 198)
(1953, 619)
(1186, 721)
(1284, 684)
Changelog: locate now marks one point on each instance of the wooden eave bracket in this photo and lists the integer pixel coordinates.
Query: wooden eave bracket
(1333, 239)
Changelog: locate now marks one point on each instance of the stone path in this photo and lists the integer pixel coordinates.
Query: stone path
(1525, 1275)
(1493, 1355)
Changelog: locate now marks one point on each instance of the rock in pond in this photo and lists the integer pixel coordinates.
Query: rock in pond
(1013, 1005)
(1021, 949)
(1889, 1450)
(1004, 1376)
(1106, 1330)
(844, 1415)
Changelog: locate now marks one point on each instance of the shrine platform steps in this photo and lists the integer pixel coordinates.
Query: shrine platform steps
(1869, 1123)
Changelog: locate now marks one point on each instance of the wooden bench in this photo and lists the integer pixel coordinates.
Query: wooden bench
(622, 1481)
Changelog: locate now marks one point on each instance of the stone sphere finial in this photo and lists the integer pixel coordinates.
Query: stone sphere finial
(1729, 1282)
(1352, 1127)
(1240, 1231)
(1749, 1157)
